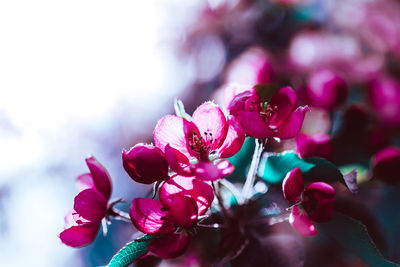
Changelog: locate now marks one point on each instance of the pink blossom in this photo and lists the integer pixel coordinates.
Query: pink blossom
(90, 206)
(384, 97)
(209, 134)
(325, 89)
(145, 164)
(281, 117)
(385, 165)
(314, 204)
(316, 145)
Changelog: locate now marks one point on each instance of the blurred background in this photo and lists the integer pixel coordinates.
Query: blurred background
(93, 77)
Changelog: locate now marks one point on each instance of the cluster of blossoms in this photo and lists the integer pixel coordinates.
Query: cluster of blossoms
(188, 155)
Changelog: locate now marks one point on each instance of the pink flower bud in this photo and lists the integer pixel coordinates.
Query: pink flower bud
(317, 145)
(385, 165)
(145, 164)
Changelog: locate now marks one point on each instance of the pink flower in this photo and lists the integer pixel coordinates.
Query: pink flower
(208, 135)
(325, 89)
(317, 145)
(145, 164)
(385, 165)
(384, 97)
(279, 118)
(90, 206)
(182, 200)
(315, 203)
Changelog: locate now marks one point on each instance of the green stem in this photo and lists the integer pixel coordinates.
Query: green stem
(251, 175)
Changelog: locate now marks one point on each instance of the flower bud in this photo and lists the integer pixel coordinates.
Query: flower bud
(385, 165)
(145, 164)
(317, 145)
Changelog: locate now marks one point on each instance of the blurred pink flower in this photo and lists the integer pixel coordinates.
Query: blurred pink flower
(281, 117)
(316, 145)
(325, 89)
(208, 134)
(385, 165)
(90, 206)
(315, 203)
(145, 164)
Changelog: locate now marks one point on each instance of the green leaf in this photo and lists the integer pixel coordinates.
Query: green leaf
(266, 90)
(353, 236)
(274, 167)
(180, 110)
(131, 252)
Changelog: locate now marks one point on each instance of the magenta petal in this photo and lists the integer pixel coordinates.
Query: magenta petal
(79, 236)
(385, 165)
(232, 90)
(210, 171)
(178, 162)
(233, 140)
(284, 101)
(100, 176)
(170, 246)
(301, 222)
(150, 216)
(85, 181)
(317, 145)
(239, 101)
(293, 186)
(175, 131)
(253, 124)
(319, 201)
(292, 127)
(69, 219)
(191, 187)
(145, 163)
(183, 211)
(210, 119)
(91, 205)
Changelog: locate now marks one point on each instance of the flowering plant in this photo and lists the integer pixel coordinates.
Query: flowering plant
(198, 194)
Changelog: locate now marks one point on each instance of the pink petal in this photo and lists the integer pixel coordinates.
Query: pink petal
(317, 145)
(170, 246)
(175, 131)
(293, 186)
(85, 181)
(233, 140)
(69, 219)
(231, 90)
(178, 162)
(191, 187)
(237, 104)
(91, 205)
(285, 101)
(101, 178)
(183, 211)
(150, 216)
(145, 164)
(301, 222)
(253, 125)
(385, 165)
(79, 236)
(323, 200)
(292, 127)
(210, 119)
(210, 171)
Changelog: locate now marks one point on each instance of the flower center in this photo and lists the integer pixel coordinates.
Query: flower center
(267, 111)
(201, 146)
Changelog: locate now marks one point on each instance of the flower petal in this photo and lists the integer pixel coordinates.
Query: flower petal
(79, 236)
(150, 216)
(253, 125)
(101, 178)
(210, 119)
(293, 186)
(231, 90)
(145, 163)
(285, 101)
(301, 222)
(183, 211)
(178, 162)
(239, 101)
(85, 181)
(191, 187)
(323, 200)
(210, 171)
(91, 205)
(170, 246)
(317, 145)
(233, 140)
(292, 127)
(175, 131)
